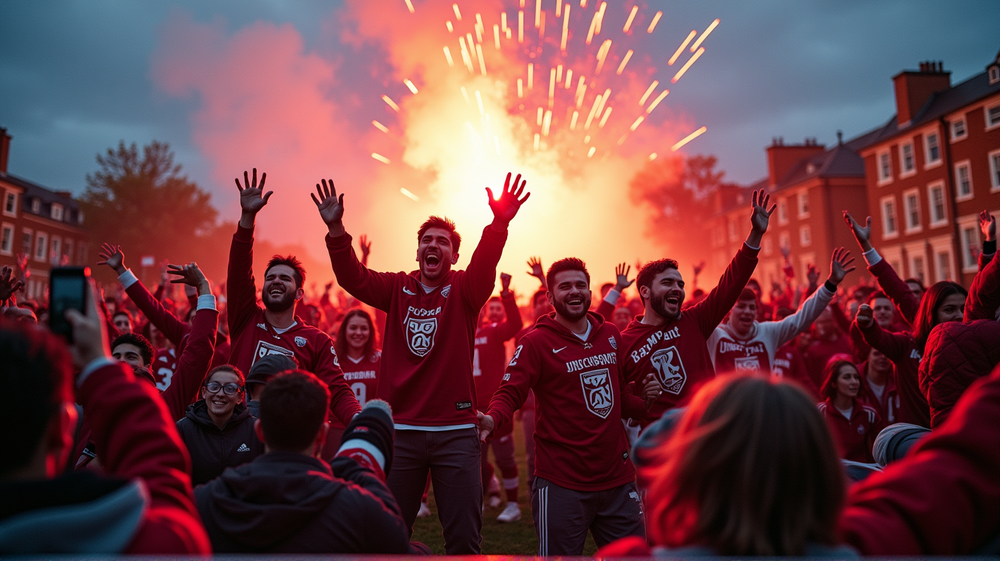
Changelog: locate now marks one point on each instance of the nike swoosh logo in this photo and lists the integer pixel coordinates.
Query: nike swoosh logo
(408, 291)
(556, 351)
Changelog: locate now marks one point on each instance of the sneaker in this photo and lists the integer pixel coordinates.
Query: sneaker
(493, 488)
(426, 511)
(511, 513)
(495, 501)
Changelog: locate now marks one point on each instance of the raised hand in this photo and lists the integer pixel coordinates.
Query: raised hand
(861, 233)
(486, 425)
(864, 316)
(9, 284)
(190, 275)
(112, 256)
(366, 247)
(988, 226)
(24, 270)
(504, 282)
(252, 197)
(330, 206)
(536, 269)
(621, 277)
(812, 274)
(506, 206)
(840, 265)
(698, 268)
(163, 271)
(760, 217)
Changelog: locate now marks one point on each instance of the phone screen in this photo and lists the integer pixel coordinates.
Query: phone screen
(67, 290)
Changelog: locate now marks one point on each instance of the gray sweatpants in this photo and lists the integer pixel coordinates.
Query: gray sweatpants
(453, 460)
(563, 516)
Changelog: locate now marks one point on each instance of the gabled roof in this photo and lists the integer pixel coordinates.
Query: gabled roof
(47, 198)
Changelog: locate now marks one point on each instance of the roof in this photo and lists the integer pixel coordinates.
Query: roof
(47, 198)
(941, 104)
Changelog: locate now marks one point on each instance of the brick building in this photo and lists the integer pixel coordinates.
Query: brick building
(930, 170)
(45, 225)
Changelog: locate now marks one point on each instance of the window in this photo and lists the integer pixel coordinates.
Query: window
(912, 202)
(784, 241)
(56, 250)
(917, 268)
(906, 159)
(970, 246)
(767, 245)
(935, 204)
(782, 211)
(889, 227)
(10, 204)
(803, 205)
(41, 247)
(958, 131)
(36, 205)
(83, 253)
(79, 217)
(26, 240)
(68, 251)
(992, 116)
(994, 74)
(732, 229)
(884, 167)
(943, 259)
(994, 158)
(57, 212)
(963, 181)
(7, 239)
(805, 236)
(932, 151)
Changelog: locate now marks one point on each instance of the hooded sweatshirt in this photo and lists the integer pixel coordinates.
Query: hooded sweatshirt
(213, 449)
(580, 443)
(286, 502)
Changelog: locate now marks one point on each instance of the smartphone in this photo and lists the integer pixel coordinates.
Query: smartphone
(68, 290)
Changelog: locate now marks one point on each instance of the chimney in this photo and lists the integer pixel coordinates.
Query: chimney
(4, 150)
(781, 157)
(914, 88)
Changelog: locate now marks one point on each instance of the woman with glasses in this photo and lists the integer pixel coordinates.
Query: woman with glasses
(218, 429)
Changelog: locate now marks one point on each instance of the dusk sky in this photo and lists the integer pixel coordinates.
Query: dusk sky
(222, 81)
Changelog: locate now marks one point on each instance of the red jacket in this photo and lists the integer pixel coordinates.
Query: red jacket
(984, 292)
(942, 498)
(854, 437)
(193, 364)
(956, 354)
(901, 349)
(490, 356)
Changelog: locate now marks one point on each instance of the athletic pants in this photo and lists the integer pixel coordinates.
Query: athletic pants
(563, 516)
(503, 454)
(453, 460)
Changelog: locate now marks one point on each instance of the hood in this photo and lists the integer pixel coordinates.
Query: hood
(261, 504)
(548, 321)
(732, 332)
(198, 413)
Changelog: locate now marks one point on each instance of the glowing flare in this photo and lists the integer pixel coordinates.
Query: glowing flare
(636, 124)
(631, 16)
(458, 14)
(451, 28)
(482, 61)
(465, 94)
(600, 17)
(621, 67)
(652, 24)
(657, 101)
(503, 21)
(507, 33)
(390, 103)
(479, 100)
(520, 25)
(380, 127)
(559, 73)
(688, 138)
(538, 13)
(583, 3)
(479, 21)
(406, 193)
(652, 156)
(409, 6)
(604, 119)
(541, 114)
(649, 91)
(593, 110)
(703, 35)
(581, 91)
(465, 54)
(591, 152)
(520, 88)
(565, 29)
(546, 123)
(687, 65)
(410, 86)
(559, 8)
(572, 122)
(496, 36)
(537, 139)
(380, 157)
(541, 31)
(602, 54)
(447, 56)
(680, 49)
(531, 75)
(552, 86)
(593, 26)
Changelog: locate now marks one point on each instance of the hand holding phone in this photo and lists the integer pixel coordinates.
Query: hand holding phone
(68, 290)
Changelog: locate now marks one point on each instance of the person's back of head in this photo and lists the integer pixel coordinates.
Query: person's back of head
(750, 470)
(293, 411)
(35, 374)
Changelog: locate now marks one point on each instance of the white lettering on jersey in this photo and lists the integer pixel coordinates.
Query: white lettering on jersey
(597, 392)
(362, 375)
(587, 362)
(653, 339)
(513, 359)
(669, 370)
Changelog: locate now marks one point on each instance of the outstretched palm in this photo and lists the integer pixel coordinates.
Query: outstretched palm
(621, 277)
(840, 265)
(861, 233)
(329, 204)
(506, 206)
(252, 196)
(190, 274)
(761, 213)
(112, 256)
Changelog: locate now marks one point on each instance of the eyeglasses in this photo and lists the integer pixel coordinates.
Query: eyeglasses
(228, 389)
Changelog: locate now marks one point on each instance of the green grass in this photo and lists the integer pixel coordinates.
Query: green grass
(514, 538)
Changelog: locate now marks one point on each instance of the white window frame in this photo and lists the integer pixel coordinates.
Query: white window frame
(994, 74)
(6, 199)
(8, 247)
(805, 236)
(57, 212)
(986, 115)
(994, 160)
(942, 245)
(800, 198)
(928, 162)
(886, 234)
(731, 229)
(934, 221)
(903, 170)
(55, 250)
(913, 251)
(782, 211)
(36, 205)
(965, 129)
(967, 166)
(884, 176)
(914, 196)
(68, 249)
(41, 247)
(31, 244)
(970, 248)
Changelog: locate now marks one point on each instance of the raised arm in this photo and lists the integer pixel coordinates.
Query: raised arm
(841, 263)
(520, 376)
(172, 327)
(891, 284)
(478, 282)
(536, 269)
(607, 305)
(984, 292)
(895, 346)
(241, 288)
(512, 323)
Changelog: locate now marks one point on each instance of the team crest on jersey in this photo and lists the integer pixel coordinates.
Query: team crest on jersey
(669, 370)
(264, 348)
(747, 364)
(446, 291)
(420, 334)
(614, 344)
(597, 392)
(300, 341)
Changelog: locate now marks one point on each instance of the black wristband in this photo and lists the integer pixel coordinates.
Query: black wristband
(989, 247)
(830, 286)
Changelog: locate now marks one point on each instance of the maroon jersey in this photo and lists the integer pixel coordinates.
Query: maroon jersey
(579, 438)
(854, 437)
(254, 337)
(427, 355)
(362, 376)
(163, 367)
(489, 355)
(677, 352)
(789, 365)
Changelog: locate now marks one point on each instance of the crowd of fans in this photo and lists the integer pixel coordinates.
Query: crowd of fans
(237, 417)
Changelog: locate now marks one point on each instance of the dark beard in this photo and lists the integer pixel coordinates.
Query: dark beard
(659, 305)
(282, 304)
(563, 311)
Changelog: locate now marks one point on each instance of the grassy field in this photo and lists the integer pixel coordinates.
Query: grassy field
(515, 538)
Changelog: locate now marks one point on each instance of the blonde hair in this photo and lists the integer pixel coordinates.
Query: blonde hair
(750, 470)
